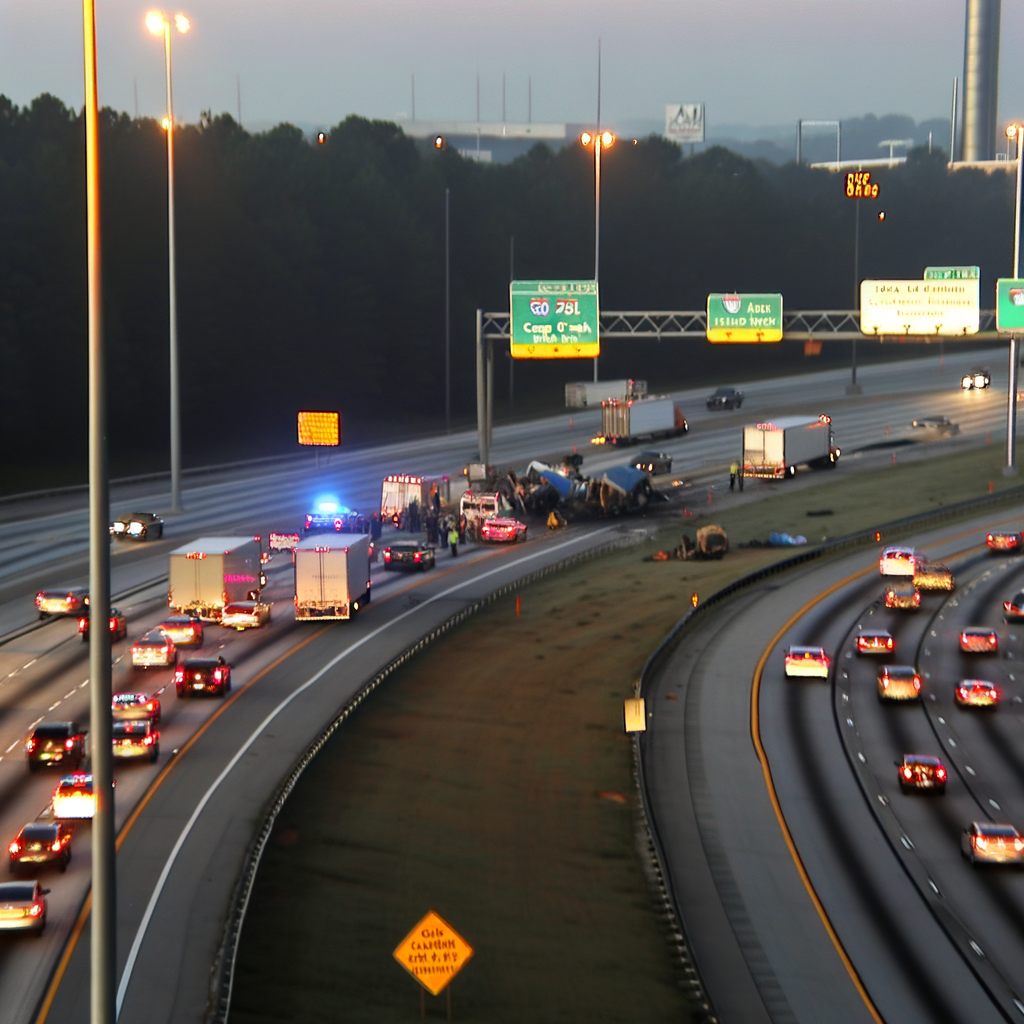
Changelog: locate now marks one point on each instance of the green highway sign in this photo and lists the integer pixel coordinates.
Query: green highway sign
(733, 317)
(952, 273)
(1009, 305)
(554, 319)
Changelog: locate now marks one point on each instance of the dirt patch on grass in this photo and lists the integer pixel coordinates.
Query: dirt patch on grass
(490, 780)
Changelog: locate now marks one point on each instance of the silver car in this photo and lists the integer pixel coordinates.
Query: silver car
(22, 907)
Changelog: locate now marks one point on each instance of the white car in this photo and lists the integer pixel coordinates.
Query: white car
(245, 615)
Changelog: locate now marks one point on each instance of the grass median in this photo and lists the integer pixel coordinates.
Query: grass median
(490, 780)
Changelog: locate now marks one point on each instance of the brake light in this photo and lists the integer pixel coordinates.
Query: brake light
(40, 597)
(309, 519)
(31, 745)
(83, 625)
(148, 741)
(989, 538)
(56, 845)
(889, 642)
(917, 682)
(417, 557)
(963, 692)
(69, 744)
(36, 909)
(150, 705)
(70, 599)
(1018, 844)
(907, 772)
(113, 623)
(885, 682)
(940, 773)
(191, 631)
(981, 842)
(14, 848)
(387, 554)
(216, 675)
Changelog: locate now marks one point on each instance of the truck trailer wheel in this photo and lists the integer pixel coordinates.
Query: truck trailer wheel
(790, 472)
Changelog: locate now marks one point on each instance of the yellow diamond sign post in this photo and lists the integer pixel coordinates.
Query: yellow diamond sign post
(433, 953)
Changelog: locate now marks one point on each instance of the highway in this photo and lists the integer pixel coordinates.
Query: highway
(43, 541)
(926, 936)
(291, 679)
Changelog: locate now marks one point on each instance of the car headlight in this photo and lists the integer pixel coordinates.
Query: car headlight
(966, 382)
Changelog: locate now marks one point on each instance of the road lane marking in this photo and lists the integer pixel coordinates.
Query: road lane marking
(257, 732)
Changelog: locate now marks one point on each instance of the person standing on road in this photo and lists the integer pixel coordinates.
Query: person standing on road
(453, 540)
(734, 472)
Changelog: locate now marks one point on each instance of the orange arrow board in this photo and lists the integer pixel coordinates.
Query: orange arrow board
(433, 953)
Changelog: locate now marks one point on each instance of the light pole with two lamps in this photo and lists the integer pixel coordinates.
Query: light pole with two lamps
(160, 24)
(599, 140)
(1014, 132)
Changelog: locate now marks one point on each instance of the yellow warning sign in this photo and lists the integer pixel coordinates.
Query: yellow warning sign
(433, 953)
(635, 713)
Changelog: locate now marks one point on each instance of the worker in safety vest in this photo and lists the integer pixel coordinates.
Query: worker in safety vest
(734, 472)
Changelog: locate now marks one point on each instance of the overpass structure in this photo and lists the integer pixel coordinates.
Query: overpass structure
(671, 325)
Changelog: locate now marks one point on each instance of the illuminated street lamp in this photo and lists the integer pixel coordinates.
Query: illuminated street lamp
(1015, 133)
(599, 140)
(160, 25)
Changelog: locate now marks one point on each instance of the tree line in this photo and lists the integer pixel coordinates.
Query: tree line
(311, 275)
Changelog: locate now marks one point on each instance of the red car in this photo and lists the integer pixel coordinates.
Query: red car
(118, 625)
(1004, 541)
(977, 693)
(501, 530)
(205, 675)
(979, 640)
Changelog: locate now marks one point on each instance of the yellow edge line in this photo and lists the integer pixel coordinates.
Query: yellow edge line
(755, 731)
(83, 915)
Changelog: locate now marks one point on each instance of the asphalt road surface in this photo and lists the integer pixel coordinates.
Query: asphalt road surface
(928, 936)
(43, 669)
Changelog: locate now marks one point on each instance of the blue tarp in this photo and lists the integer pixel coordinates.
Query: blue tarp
(559, 482)
(625, 478)
(786, 540)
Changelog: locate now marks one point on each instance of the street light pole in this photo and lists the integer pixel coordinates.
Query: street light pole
(158, 23)
(447, 323)
(1010, 469)
(597, 217)
(103, 957)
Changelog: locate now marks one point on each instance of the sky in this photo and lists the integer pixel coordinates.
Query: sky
(752, 62)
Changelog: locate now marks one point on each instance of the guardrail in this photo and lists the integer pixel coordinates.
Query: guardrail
(223, 975)
(879, 534)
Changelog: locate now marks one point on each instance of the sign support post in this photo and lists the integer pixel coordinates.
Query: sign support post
(481, 395)
(1010, 469)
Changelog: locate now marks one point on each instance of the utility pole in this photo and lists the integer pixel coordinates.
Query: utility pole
(103, 959)
(853, 388)
(238, 91)
(511, 361)
(414, 97)
(597, 186)
(447, 319)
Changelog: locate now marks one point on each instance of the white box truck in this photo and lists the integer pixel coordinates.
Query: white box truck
(773, 450)
(211, 572)
(581, 394)
(629, 421)
(332, 576)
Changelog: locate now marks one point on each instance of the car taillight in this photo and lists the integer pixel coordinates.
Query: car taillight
(36, 909)
(417, 557)
(70, 599)
(148, 741)
(83, 624)
(963, 692)
(40, 597)
(14, 848)
(191, 631)
(907, 773)
(56, 845)
(69, 744)
(889, 643)
(309, 519)
(917, 682)
(31, 745)
(167, 649)
(150, 705)
(981, 842)
(113, 623)
(989, 538)
(387, 554)
(940, 773)
(1018, 844)
(917, 599)
(216, 675)
(179, 675)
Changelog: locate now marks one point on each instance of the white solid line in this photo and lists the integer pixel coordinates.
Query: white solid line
(140, 934)
(12, 746)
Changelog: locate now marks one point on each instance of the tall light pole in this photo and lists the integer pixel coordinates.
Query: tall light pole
(103, 960)
(1015, 132)
(160, 24)
(599, 140)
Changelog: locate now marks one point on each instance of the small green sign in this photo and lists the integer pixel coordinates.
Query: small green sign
(554, 319)
(952, 273)
(1009, 305)
(735, 317)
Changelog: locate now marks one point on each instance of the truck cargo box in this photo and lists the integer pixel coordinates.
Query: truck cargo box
(211, 572)
(332, 576)
(625, 422)
(774, 450)
(581, 394)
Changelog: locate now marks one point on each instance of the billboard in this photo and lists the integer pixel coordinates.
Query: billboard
(320, 428)
(684, 122)
(554, 319)
(941, 308)
(733, 317)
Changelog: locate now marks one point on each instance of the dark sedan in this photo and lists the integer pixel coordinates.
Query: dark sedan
(655, 463)
(41, 842)
(409, 554)
(203, 675)
(118, 625)
(726, 398)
